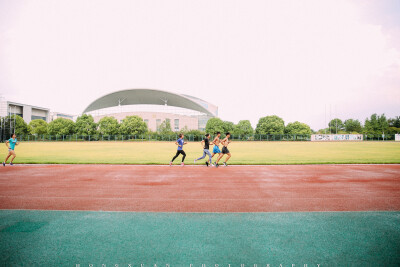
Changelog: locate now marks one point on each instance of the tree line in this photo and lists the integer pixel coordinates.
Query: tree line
(374, 125)
(84, 125)
(134, 125)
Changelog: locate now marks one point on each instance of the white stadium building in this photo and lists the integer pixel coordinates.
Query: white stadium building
(154, 106)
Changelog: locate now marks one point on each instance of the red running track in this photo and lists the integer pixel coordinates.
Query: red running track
(200, 189)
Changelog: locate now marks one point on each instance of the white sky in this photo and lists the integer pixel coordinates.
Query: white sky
(250, 58)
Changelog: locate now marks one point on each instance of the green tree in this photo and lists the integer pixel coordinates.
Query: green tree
(395, 122)
(243, 128)
(352, 126)
(38, 126)
(184, 130)
(270, 125)
(393, 130)
(108, 126)
(298, 128)
(195, 132)
(61, 126)
(336, 125)
(133, 125)
(215, 125)
(376, 125)
(17, 124)
(323, 131)
(85, 125)
(228, 126)
(165, 128)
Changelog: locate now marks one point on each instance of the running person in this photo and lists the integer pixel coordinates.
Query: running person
(180, 142)
(10, 143)
(206, 146)
(216, 142)
(225, 150)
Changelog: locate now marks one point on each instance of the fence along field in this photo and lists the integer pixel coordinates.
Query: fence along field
(189, 137)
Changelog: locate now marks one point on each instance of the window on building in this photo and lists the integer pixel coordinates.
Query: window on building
(158, 123)
(147, 122)
(64, 116)
(38, 118)
(176, 124)
(18, 114)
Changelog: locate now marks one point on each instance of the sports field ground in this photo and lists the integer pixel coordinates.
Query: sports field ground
(154, 216)
(258, 153)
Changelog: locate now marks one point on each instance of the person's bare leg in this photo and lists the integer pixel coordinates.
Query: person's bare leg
(9, 154)
(13, 157)
(228, 157)
(219, 157)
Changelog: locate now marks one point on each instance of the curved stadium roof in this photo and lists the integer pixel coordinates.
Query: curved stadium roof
(149, 97)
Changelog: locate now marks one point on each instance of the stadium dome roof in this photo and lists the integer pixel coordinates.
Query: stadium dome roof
(149, 97)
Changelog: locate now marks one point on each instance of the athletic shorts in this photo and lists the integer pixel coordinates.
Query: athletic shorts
(225, 150)
(216, 150)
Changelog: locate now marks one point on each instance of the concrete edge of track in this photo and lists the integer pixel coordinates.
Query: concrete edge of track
(212, 212)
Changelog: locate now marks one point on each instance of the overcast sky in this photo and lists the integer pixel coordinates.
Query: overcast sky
(250, 58)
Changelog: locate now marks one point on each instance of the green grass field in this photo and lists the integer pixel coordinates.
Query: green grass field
(242, 152)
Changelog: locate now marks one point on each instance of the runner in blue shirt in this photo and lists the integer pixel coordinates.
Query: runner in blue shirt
(10, 143)
(180, 142)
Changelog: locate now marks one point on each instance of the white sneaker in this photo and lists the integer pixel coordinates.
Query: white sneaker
(182, 164)
(170, 163)
(195, 161)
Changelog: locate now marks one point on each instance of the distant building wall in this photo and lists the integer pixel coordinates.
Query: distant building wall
(27, 112)
(3, 108)
(153, 120)
(56, 115)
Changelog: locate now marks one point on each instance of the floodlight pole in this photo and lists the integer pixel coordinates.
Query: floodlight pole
(325, 119)
(1, 130)
(15, 120)
(120, 101)
(330, 118)
(165, 100)
(336, 118)
(10, 117)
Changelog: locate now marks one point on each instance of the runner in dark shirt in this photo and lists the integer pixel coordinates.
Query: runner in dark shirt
(206, 146)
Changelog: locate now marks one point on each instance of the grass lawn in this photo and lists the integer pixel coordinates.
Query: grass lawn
(114, 152)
